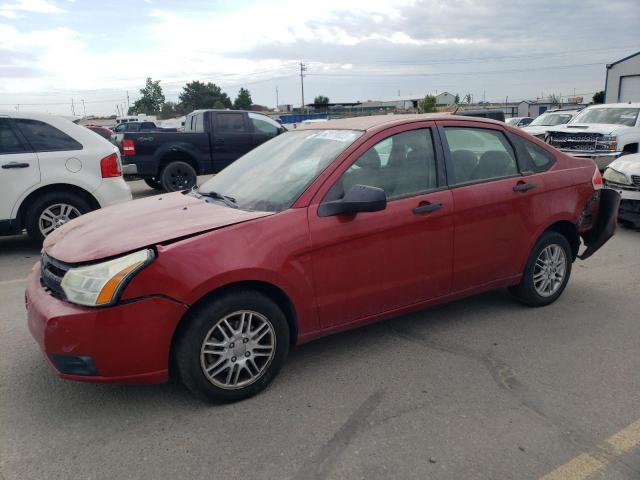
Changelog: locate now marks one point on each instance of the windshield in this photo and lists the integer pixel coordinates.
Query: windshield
(512, 121)
(619, 116)
(272, 176)
(548, 119)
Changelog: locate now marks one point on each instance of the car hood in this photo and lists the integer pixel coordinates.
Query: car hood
(140, 223)
(603, 128)
(628, 164)
(537, 130)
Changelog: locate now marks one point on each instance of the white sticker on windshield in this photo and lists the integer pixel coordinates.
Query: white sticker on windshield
(627, 115)
(335, 135)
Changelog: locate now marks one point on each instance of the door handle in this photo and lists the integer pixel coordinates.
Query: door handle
(428, 208)
(15, 165)
(523, 187)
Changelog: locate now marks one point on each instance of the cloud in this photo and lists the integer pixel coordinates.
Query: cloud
(12, 9)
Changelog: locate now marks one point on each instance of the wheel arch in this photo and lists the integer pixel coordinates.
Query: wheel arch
(569, 231)
(53, 188)
(178, 155)
(630, 148)
(270, 290)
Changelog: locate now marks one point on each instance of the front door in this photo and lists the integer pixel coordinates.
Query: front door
(19, 168)
(369, 263)
(232, 137)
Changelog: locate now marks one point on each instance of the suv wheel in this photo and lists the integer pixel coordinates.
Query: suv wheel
(232, 346)
(178, 176)
(547, 272)
(153, 183)
(51, 211)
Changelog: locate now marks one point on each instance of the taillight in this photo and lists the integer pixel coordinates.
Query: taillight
(596, 180)
(128, 147)
(110, 166)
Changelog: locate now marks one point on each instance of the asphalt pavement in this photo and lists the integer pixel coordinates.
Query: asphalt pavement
(482, 388)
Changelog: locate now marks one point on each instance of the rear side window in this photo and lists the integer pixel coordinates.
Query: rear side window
(479, 154)
(532, 157)
(46, 138)
(9, 141)
(230, 122)
(198, 123)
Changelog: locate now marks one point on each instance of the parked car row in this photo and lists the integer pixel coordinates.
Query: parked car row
(322, 229)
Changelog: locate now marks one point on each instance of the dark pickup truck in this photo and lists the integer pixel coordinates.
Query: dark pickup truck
(211, 140)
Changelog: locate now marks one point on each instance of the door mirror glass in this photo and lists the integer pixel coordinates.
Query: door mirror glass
(359, 198)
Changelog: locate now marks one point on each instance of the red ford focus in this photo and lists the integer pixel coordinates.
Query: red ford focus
(321, 229)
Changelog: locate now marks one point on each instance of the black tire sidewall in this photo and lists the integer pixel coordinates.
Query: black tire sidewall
(38, 206)
(526, 291)
(165, 175)
(153, 183)
(197, 324)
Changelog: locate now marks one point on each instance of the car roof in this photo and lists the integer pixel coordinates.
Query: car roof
(616, 105)
(32, 115)
(379, 121)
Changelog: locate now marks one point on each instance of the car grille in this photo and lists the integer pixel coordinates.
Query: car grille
(575, 141)
(51, 273)
(636, 180)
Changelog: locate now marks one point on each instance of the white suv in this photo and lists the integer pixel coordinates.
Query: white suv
(51, 171)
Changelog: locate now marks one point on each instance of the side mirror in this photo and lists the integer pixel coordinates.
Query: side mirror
(360, 198)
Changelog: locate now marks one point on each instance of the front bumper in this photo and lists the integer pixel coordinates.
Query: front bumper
(602, 159)
(128, 342)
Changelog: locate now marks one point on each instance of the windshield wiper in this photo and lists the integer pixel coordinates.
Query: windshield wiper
(227, 200)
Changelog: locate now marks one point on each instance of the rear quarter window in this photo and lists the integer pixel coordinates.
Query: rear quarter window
(46, 138)
(532, 158)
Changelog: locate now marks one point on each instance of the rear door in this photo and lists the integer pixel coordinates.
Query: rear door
(494, 200)
(19, 168)
(231, 137)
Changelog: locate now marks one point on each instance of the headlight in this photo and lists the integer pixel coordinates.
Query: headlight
(101, 284)
(616, 177)
(607, 142)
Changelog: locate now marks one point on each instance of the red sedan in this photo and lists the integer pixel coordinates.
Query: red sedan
(322, 229)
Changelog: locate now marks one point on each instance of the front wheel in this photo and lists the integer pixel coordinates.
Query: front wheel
(547, 272)
(232, 346)
(51, 211)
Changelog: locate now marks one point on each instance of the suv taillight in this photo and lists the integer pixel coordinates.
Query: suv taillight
(596, 180)
(128, 147)
(110, 166)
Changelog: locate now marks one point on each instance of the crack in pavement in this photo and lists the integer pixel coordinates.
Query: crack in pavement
(320, 464)
(506, 379)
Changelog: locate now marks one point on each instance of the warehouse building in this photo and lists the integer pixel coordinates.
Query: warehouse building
(623, 80)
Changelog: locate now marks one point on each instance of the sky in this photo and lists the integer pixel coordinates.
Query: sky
(95, 52)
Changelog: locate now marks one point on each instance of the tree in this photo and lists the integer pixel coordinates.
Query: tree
(198, 94)
(321, 100)
(468, 98)
(554, 100)
(427, 104)
(152, 98)
(598, 97)
(169, 110)
(456, 99)
(243, 100)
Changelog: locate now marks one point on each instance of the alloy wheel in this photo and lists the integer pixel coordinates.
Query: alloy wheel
(549, 270)
(55, 216)
(238, 349)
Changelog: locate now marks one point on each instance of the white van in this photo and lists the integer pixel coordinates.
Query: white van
(52, 171)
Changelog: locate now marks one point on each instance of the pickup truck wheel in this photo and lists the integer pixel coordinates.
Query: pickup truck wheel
(153, 183)
(178, 176)
(547, 272)
(232, 346)
(51, 211)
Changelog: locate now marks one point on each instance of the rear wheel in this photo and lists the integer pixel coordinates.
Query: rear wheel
(232, 346)
(178, 176)
(51, 211)
(153, 183)
(547, 272)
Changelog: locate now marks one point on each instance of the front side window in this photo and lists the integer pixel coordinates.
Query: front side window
(230, 122)
(46, 138)
(479, 154)
(9, 142)
(264, 125)
(272, 176)
(120, 128)
(616, 116)
(402, 165)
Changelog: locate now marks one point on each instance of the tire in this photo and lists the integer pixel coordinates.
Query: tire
(226, 359)
(153, 183)
(178, 176)
(528, 291)
(55, 209)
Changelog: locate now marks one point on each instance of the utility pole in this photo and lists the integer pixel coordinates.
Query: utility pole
(84, 110)
(277, 100)
(128, 107)
(303, 68)
(73, 110)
